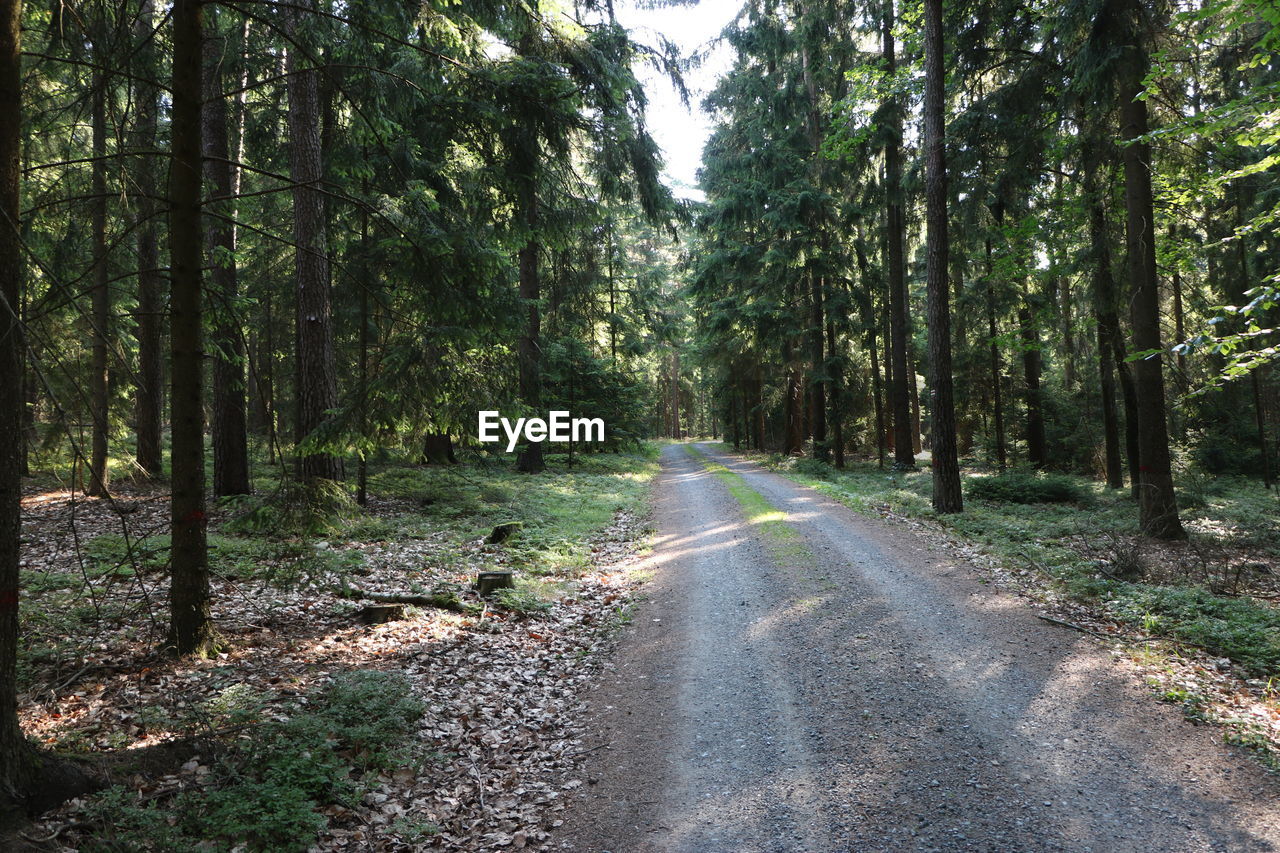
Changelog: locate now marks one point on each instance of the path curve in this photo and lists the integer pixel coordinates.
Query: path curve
(871, 695)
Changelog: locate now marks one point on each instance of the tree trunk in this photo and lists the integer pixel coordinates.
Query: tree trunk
(191, 628)
(230, 430)
(149, 394)
(817, 386)
(1157, 503)
(316, 367)
(759, 409)
(895, 228)
(997, 401)
(945, 465)
(837, 407)
(437, 449)
(1104, 312)
(15, 752)
(100, 319)
(1031, 369)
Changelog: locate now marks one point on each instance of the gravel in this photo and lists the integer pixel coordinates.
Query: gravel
(874, 696)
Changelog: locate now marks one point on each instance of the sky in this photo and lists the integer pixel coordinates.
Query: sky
(681, 132)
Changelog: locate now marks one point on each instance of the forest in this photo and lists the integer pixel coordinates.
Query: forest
(263, 263)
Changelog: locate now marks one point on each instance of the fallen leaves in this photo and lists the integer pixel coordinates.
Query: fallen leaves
(495, 752)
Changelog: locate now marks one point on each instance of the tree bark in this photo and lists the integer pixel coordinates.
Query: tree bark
(230, 429)
(945, 464)
(15, 752)
(997, 401)
(1104, 312)
(837, 405)
(100, 317)
(191, 628)
(149, 394)
(316, 360)
(895, 227)
(1157, 502)
(1031, 370)
(817, 386)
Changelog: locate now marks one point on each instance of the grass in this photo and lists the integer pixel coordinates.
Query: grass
(782, 539)
(1088, 527)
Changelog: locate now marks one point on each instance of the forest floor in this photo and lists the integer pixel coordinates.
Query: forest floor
(805, 677)
(451, 727)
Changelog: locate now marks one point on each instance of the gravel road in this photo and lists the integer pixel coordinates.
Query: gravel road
(874, 696)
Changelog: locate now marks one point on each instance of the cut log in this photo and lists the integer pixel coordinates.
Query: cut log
(441, 599)
(487, 582)
(503, 532)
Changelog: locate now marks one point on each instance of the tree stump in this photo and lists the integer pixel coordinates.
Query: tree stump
(487, 582)
(503, 532)
(376, 614)
(437, 449)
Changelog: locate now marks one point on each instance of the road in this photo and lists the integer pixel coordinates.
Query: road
(857, 690)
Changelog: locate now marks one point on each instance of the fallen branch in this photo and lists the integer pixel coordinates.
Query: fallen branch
(442, 601)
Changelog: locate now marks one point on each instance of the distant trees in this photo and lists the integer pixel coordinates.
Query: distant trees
(1051, 106)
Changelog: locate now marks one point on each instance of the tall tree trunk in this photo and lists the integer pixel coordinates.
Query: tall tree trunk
(759, 408)
(149, 394)
(1157, 503)
(362, 470)
(675, 395)
(230, 430)
(837, 405)
(793, 437)
(1031, 370)
(529, 459)
(1104, 312)
(945, 465)
(817, 386)
(15, 753)
(100, 318)
(317, 381)
(895, 228)
(191, 628)
(997, 401)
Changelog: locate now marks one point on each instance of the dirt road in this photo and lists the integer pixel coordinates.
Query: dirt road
(852, 690)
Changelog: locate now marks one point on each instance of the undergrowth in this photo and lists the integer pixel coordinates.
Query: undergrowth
(268, 786)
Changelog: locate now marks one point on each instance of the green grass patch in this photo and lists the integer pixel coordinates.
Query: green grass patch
(782, 539)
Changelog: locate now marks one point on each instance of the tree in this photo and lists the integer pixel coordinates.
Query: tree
(191, 626)
(1157, 502)
(100, 315)
(230, 432)
(895, 234)
(14, 766)
(316, 358)
(148, 393)
(945, 464)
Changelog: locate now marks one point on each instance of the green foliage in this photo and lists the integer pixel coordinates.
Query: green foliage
(525, 597)
(1022, 488)
(1237, 628)
(268, 787)
(296, 509)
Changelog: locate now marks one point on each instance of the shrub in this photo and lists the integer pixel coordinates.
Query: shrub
(813, 468)
(267, 790)
(1024, 488)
